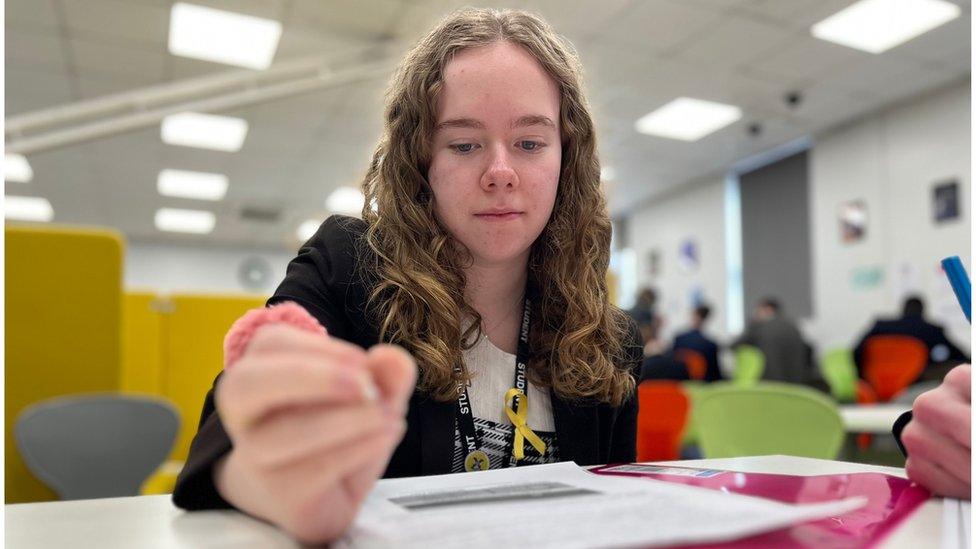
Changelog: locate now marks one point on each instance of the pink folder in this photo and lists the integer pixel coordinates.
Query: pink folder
(889, 501)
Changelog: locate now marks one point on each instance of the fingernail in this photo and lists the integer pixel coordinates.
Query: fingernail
(368, 389)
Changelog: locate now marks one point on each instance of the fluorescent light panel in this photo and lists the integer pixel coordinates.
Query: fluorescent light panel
(879, 25)
(688, 119)
(204, 131)
(27, 208)
(185, 221)
(195, 185)
(307, 229)
(346, 200)
(222, 36)
(17, 169)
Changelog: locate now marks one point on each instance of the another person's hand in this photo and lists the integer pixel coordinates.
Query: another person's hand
(938, 439)
(313, 420)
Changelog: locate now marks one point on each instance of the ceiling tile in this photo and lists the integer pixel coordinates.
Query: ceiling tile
(734, 41)
(29, 90)
(30, 14)
(93, 59)
(657, 26)
(578, 20)
(119, 20)
(938, 44)
(806, 58)
(346, 18)
(37, 50)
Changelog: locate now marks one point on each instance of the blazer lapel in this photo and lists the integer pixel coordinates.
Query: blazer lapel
(577, 431)
(436, 436)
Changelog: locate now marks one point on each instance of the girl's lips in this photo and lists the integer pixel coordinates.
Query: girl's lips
(498, 216)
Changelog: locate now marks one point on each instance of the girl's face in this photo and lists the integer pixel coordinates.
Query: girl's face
(496, 151)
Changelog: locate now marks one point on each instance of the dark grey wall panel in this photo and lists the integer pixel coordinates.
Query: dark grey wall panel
(776, 235)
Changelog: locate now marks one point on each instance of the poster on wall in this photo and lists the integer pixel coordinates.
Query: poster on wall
(853, 218)
(867, 277)
(688, 258)
(945, 201)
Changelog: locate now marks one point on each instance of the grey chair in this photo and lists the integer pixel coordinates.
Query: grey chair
(96, 446)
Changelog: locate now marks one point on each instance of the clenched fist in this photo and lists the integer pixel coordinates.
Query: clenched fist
(313, 421)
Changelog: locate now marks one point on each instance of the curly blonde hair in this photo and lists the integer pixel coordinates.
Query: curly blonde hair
(577, 337)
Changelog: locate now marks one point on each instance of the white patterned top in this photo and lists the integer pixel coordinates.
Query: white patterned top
(492, 371)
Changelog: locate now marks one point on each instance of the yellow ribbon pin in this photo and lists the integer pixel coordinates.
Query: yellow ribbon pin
(522, 430)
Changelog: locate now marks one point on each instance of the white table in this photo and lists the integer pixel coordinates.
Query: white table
(874, 418)
(153, 522)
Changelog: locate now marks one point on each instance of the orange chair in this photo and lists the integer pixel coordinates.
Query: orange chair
(661, 421)
(694, 361)
(892, 362)
(865, 395)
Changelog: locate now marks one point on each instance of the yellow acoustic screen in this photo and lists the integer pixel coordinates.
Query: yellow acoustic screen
(63, 291)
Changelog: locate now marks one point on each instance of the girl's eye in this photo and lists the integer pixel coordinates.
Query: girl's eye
(463, 147)
(530, 145)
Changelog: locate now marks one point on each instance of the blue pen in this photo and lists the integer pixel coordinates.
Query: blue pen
(960, 283)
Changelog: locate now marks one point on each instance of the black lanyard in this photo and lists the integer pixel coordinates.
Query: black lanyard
(475, 458)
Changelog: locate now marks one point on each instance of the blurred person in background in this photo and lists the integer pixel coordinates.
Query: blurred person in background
(943, 354)
(644, 313)
(695, 340)
(659, 362)
(788, 356)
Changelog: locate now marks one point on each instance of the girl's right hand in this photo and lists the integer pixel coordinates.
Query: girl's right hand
(314, 421)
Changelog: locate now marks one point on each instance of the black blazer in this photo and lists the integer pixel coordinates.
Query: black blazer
(696, 341)
(932, 335)
(325, 280)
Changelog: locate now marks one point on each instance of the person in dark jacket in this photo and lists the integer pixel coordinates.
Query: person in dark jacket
(943, 354)
(659, 362)
(778, 337)
(409, 342)
(695, 340)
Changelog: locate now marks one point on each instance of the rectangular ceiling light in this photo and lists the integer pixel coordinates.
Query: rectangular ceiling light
(688, 119)
(195, 185)
(222, 36)
(878, 25)
(27, 208)
(185, 221)
(204, 131)
(17, 169)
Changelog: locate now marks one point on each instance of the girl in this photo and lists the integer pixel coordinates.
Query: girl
(484, 262)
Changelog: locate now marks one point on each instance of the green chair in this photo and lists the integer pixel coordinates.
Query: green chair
(768, 418)
(695, 391)
(838, 370)
(750, 363)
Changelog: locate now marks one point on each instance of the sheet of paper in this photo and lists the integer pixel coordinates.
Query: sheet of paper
(563, 505)
(956, 524)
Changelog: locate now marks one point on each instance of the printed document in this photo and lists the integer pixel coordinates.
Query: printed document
(563, 505)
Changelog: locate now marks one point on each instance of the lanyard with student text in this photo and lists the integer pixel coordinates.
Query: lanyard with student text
(475, 458)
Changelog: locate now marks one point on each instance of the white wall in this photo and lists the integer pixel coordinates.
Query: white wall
(697, 213)
(891, 160)
(170, 268)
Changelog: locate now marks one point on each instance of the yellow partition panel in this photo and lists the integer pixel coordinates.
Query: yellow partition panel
(194, 329)
(142, 350)
(63, 292)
